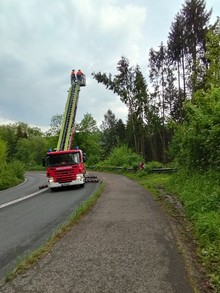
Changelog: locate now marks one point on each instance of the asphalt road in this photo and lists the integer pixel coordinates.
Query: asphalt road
(124, 244)
(26, 224)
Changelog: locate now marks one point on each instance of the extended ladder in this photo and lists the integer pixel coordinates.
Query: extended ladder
(68, 120)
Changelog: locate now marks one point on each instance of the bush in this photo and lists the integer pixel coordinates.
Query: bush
(196, 143)
(122, 157)
(151, 165)
(11, 174)
(17, 168)
(3, 151)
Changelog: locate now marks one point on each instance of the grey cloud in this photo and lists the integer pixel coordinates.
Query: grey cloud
(42, 40)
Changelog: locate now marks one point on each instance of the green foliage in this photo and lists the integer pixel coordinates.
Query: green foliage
(212, 54)
(17, 169)
(55, 125)
(3, 152)
(87, 138)
(131, 87)
(151, 165)
(122, 157)
(200, 195)
(23, 130)
(88, 124)
(51, 142)
(207, 228)
(11, 174)
(91, 146)
(198, 191)
(8, 135)
(196, 142)
(31, 151)
(38, 148)
(110, 135)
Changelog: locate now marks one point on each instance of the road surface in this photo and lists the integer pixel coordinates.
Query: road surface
(124, 244)
(29, 216)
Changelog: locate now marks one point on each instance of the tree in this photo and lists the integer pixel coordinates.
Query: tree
(123, 85)
(121, 132)
(163, 95)
(23, 151)
(186, 51)
(109, 136)
(8, 135)
(88, 124)
(38, 147)
(10, 173)
(176, 47)
(87, 137)
(213, 55)
(196, 143)
(176, 56)
(196, 20)
(12, 133)
(3, 152)
(131, 87)
(31, 150)
(21, 130)
(55, 125)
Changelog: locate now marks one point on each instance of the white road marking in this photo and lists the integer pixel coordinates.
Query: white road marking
(20, 199)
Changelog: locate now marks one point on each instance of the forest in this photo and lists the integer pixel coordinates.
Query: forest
(173, 120)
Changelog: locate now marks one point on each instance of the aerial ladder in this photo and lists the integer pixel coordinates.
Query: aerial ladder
(68, 120)
(65, 166)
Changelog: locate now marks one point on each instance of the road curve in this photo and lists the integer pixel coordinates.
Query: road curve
(123, 244)
(30, 185)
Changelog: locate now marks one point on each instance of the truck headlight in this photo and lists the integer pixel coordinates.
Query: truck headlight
(79, 177)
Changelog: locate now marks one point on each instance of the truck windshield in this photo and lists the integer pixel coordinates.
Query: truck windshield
(62, 159)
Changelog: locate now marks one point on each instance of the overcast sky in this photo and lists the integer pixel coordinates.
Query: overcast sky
(42, 40)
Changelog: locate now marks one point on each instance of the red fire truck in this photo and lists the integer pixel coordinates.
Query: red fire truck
(65, 166)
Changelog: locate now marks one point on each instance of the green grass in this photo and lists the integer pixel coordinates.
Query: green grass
(200, 194)
(151, 182)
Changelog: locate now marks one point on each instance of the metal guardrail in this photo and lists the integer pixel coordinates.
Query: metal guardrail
(116, 168)
(163, 170)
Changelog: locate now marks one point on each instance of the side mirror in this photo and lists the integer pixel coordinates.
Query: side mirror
(43, 162)
(84, 157)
